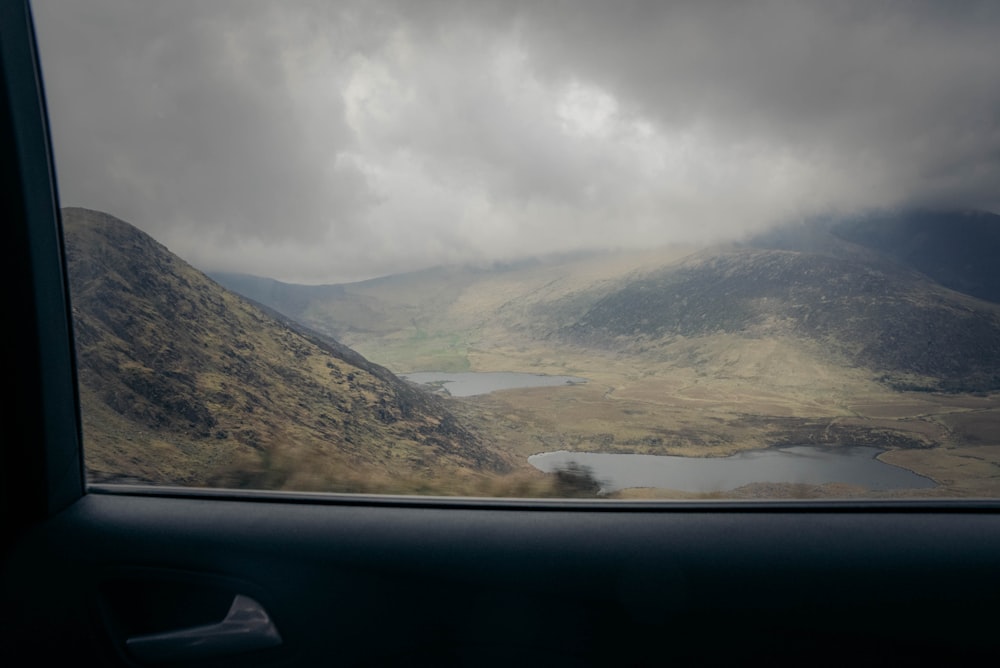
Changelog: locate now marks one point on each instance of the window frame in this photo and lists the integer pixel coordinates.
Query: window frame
(39, 481)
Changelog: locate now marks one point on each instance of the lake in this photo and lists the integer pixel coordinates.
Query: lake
(811, 465)
(471, 383)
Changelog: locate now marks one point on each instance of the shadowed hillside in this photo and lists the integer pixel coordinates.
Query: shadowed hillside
(957, 249)
(876, 315)
(183, 382)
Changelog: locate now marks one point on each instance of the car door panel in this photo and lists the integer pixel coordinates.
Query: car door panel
(384, 584)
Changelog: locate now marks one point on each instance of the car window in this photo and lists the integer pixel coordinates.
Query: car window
(613, 250)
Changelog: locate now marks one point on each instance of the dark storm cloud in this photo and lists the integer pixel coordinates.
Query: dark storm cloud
(908, 88)
(328, 141)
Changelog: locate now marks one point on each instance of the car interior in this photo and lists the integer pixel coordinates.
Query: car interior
(127, 575)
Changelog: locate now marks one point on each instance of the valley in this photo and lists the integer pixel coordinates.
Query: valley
(685, 352)
(631, 407)
(702, 353)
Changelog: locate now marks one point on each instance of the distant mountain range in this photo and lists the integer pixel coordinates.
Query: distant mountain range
(905, 296)
(183, 382)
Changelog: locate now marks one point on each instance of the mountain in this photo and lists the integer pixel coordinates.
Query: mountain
(290, 299)
(364, 308)
(437, 319)
(874, 314)
(881, 294)
(958, 249)
(183, 382)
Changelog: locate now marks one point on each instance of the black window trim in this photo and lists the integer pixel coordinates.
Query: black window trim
(37, 482)
(548, 505)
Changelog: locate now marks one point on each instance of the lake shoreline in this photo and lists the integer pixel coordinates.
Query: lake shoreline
(475, 383)
(798, 465)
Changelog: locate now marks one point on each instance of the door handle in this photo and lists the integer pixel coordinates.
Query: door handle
(246, 627)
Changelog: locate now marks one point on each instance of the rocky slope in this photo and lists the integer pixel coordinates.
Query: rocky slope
(874, 314)
(184, 382)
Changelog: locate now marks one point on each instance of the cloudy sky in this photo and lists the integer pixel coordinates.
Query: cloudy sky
(322, 141)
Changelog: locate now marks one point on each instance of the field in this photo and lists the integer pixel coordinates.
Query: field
(630, 407)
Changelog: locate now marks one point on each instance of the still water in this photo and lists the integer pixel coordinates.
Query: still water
(812, 465)
(470, 383)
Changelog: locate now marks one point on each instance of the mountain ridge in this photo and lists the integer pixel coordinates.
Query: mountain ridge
(195, 385)
(958, 249)
(889, 318)
(810, 281)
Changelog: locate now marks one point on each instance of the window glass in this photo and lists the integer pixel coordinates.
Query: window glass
(601, 250)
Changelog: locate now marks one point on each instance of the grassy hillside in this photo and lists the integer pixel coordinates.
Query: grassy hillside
(184, 382)
(440, 319)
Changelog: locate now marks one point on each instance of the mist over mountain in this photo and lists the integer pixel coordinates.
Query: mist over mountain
(430, 133)
(959, 249)
(184, 382)
(377, 305)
